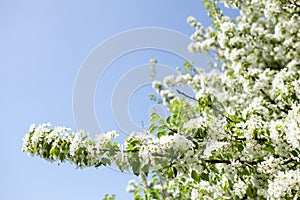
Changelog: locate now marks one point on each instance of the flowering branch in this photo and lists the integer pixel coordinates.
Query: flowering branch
(231, 144)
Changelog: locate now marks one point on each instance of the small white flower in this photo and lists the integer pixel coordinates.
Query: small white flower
(31, 128)
(191, 20)
(132, 186)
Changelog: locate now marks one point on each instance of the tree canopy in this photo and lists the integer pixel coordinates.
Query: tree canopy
(238, 137)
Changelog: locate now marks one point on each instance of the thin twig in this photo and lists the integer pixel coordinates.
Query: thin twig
(182, 93)
(272, 101)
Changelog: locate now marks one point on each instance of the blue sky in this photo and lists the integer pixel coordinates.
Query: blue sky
(42, 46)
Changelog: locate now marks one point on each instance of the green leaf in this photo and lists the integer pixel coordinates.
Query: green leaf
(175, 171)
(240, 147)
(154, 194)
(62, 156)
(169, 119)
(130, 147)
(53, 151)
(112, 152)
(152, 128)
(162, 133)
(204, 176)
(63, 145)
(138, 197)
(250, 192)
(145, 169)
(137, 192)
(135, 166)
(105, 161)
(154, 117)
(195, 176)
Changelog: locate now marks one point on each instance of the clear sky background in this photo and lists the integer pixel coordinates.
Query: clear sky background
(42, 46)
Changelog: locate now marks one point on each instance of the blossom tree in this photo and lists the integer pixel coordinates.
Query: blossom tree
(238, 137)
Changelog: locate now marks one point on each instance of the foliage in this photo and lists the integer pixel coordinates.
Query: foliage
(237, 138)
(109, 197)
